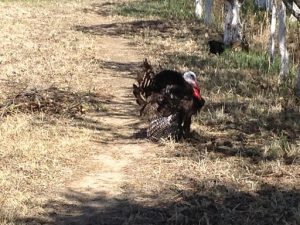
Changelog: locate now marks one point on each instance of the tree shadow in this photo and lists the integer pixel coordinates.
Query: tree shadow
(152, 28)
(103, 9)
(126, 129)
(204, 202)
(251, 134)
(122, 69)
(241, 132)
(214, 203)
(158, 27)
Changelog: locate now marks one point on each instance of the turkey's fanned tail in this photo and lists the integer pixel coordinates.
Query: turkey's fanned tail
(144, 80)
(164, 127)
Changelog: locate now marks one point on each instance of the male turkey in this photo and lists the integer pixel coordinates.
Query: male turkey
(168, 100)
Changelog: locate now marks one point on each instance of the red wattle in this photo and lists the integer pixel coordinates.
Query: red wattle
(197, 92)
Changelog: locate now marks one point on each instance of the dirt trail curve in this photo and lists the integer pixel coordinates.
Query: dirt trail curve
(93, 195)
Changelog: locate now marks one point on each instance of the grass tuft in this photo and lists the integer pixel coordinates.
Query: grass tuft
(167, 9)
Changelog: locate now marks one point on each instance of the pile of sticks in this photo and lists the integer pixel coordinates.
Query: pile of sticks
(49, 101)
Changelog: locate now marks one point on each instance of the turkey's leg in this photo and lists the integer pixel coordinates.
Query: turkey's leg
(187, 127)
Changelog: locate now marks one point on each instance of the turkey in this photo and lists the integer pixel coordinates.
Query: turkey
(168, 100)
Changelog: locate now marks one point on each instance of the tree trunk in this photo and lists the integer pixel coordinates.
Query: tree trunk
(208, 16)
(272, 33)
(284, 67)
(298, 82)
(199, 8)
(233, 26)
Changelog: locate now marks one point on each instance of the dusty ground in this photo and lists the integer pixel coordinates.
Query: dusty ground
(93, 168)
(51, 53)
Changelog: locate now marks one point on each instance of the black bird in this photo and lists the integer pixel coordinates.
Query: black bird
(216, 47)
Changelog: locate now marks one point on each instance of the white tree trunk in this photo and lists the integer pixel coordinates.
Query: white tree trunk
(298, 83)
(284, 67)
(233, 26)
(199, 8)
(272, 33)
(208, 16)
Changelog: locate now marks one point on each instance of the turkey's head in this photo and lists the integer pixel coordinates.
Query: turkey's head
(190, 78)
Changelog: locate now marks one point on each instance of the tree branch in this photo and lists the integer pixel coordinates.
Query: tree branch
(297, 2)
(289, 6)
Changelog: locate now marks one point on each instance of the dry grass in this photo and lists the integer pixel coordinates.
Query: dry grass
(41, 47)
(241, 166)
(41, 50)
(245, 153)
(35, 159)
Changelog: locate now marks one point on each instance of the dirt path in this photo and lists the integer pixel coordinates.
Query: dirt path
(94, 193)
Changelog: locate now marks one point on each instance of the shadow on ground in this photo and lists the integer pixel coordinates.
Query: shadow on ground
(158, 27)
(121, 69)
(146, 27)
(103, 9)
(152, 29)
(206, 202)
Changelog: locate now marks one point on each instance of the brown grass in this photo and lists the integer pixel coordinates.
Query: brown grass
(241, 166)
(246, 148)
(35, 159)
(39, 151)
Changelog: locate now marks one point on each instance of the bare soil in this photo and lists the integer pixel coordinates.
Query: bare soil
(99, 181)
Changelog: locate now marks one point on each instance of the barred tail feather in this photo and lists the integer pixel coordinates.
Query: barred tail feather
(137, 92)
(148, 75)
(144, 81)
(164, 127)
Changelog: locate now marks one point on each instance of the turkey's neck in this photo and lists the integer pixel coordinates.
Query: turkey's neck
(196, 92)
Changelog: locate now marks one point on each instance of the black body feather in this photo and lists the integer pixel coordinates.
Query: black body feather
(167, 101)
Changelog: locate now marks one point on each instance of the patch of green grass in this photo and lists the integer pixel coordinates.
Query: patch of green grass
(248, 60)
(167, 9)
(240, 60)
